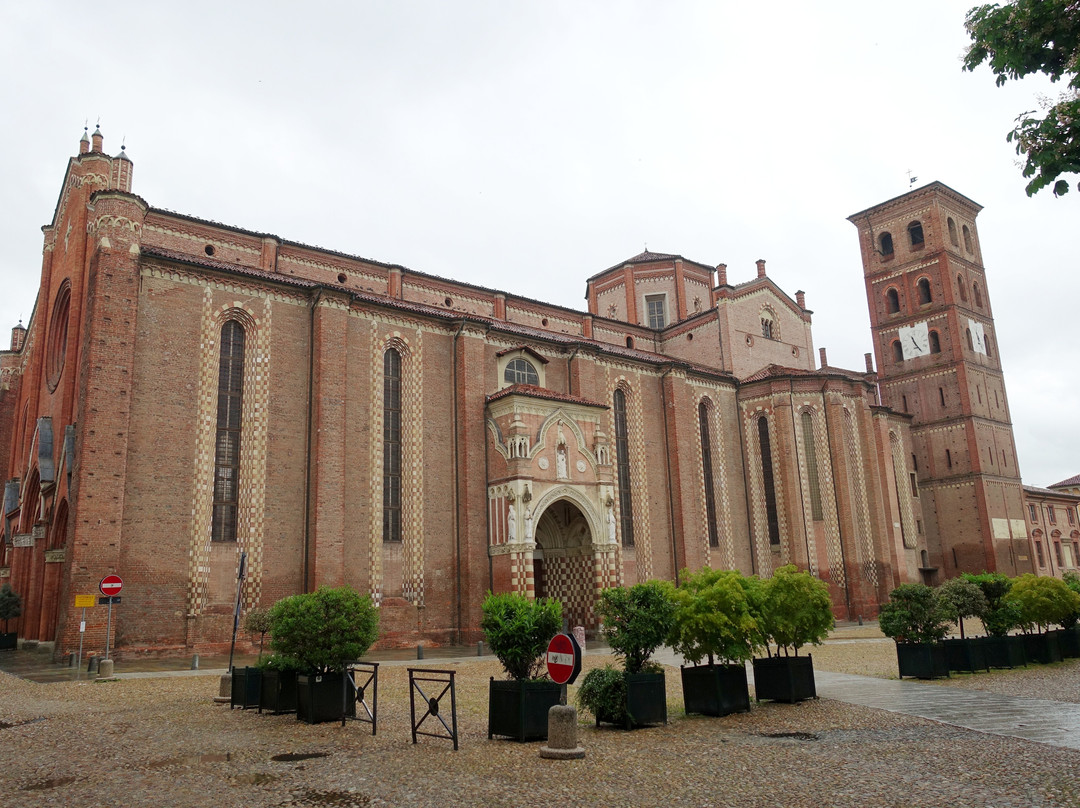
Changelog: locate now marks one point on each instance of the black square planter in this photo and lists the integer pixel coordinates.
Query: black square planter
(246, 686)
(966, 655)
(715, 689)
(278, 692)
(1042, 648)
(9, 641)
(785, 678)
(1069, 642)
(519, 709)
(1005, 652)
(320, 697)
(646, 701)
(922, 660)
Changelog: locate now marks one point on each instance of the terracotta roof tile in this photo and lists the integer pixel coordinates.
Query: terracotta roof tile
(533, 391)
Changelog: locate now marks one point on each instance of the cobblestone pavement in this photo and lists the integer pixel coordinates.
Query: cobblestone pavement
(162, 741)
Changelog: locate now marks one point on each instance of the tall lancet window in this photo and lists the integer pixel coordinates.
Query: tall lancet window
(706, 470)
(227, 445)
(622, 460)
(772, 515)
(392, 446)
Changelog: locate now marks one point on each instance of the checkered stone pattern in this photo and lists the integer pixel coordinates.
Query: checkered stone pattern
(759, 519)
(606, 570)
(827, 495)
(253, 441)
(864, 552)
(907, 519)
(725, 550)
(412, 484)
(640, 502)
(570, 579)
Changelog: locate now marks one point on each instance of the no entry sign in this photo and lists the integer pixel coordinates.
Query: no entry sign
(563, 659)
(111, 585)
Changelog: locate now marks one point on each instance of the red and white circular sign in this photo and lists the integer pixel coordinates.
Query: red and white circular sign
(563, 659)
(111, 585)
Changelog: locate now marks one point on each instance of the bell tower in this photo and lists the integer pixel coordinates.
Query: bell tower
(938, 361)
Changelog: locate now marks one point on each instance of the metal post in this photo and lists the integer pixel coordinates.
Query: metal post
(82, 633)
(108, 628)
(236, 612)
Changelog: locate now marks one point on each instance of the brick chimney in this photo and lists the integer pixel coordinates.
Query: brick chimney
(824, 359)
(761, 267)
(869, 363)
(721, 275)
(18, 337)
(800, 298)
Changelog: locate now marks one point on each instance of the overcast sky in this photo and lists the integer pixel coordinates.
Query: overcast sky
(527, 146)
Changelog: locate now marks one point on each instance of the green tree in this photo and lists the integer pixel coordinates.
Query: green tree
(518, 630)
(1043, 601)
(713, 618)
(10, 604)
(963, 599)
(636, 620)
(325, 629)
(914, 614)
(1035, 36)
(257, 621)
(794, 610)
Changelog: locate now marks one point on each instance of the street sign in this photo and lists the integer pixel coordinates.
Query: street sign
(85, 601)
(111, 585)
(563, 659)
(108, 600)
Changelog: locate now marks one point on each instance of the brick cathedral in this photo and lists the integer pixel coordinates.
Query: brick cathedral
(185, 392)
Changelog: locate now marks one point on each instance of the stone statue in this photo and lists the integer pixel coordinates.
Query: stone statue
(611, 523)
(511, 523)
(560, 459)
(528, 524)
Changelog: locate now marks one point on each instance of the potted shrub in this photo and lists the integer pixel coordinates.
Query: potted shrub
(793, 609)
(1001, 617)
(518, 630)
(963, 599)
(1069, 638)
(277, 694)
(323, 631)
(10, 608)
(714, 624)
(1043, 602)
(917, 620)
(635, 621)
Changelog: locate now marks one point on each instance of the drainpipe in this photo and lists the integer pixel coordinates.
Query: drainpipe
(307, 440)
(671, 492)
(455, 522)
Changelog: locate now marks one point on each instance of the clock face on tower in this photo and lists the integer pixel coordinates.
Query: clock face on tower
(914, 340)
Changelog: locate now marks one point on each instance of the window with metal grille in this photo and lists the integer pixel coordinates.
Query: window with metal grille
(521, 371)
(227, 442)
(706, 471)
(811, 467)
(772, 516)
(622, 461)
(391, 446)
(1033, 512)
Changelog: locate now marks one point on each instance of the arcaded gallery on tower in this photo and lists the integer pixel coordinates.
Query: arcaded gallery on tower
(186, 391)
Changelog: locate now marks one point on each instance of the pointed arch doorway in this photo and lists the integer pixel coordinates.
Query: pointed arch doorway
(564, 561)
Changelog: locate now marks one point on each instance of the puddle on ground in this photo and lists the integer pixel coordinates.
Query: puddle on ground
(340, 799)
(44, 785)
(189, 760)
(791, 736)
(293, 757)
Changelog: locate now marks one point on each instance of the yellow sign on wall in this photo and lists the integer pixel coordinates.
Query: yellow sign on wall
(85, 601)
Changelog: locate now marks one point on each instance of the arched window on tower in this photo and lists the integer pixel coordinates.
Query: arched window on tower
(622, 465)
(915, 233)
(923, 287)
(391, 446)
(967, 240)
(227, 444)
(976, 293)
(892, 301)
(885, 242)
(961, 288)
(967, 336)
(897, 351)
(952, 233)
(935, 342)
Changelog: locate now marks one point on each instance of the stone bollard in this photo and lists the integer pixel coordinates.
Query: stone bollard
(92, 664)
(224, 695)
(105, 669)
(562, 741)
(479, 647)
(194, 662)
(419, 652)
(579, 635)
